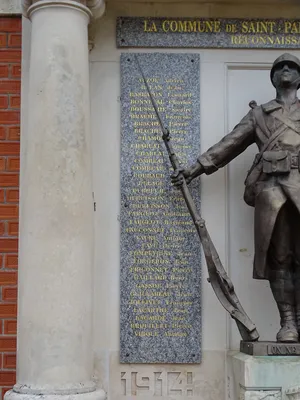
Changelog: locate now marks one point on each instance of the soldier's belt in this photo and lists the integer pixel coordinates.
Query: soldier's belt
(279, 162)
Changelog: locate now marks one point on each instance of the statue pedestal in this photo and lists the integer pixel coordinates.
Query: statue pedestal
(263, 377)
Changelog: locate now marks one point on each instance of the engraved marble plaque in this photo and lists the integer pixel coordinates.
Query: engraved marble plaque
(242, 33)
(160, 310)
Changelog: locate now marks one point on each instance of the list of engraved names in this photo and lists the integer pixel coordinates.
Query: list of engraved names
(160, 262)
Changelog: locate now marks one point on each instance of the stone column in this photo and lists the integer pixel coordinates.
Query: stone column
(54, 356)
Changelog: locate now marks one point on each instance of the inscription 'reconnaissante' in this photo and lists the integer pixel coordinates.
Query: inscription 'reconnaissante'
(160, 311)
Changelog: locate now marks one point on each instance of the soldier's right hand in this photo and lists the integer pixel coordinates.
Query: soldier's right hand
(177, 177)
(188, 173)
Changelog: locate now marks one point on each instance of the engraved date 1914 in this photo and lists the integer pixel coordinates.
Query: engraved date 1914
(157, 384)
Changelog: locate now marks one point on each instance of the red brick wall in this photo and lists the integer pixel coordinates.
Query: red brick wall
(10, 75)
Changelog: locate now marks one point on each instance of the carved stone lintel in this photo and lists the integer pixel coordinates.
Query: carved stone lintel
(96, 7)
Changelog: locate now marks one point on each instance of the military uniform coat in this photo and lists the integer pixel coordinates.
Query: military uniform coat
(271, 191)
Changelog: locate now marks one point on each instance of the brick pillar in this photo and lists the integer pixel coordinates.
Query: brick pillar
(10, 72)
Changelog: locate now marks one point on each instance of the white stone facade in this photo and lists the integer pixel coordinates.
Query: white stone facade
(70, 149)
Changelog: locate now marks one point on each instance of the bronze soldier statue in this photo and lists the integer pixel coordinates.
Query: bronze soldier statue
(272, 186)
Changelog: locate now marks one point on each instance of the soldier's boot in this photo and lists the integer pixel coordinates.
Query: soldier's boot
(282, 287)
(288, 331)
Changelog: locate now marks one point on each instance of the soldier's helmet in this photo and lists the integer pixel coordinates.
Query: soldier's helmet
(283, 59)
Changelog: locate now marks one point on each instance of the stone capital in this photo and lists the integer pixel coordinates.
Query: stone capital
(95, 8)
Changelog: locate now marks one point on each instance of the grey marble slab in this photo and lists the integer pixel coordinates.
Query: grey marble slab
(160, 283)
(208, 33)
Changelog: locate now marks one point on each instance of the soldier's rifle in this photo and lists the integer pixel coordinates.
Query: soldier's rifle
(218, 277)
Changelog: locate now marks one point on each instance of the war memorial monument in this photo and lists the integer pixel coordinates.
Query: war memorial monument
(161, 294)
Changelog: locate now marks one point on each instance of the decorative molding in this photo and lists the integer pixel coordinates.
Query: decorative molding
(293, 393)
(260, 394)
(25, 5)
(95, 8)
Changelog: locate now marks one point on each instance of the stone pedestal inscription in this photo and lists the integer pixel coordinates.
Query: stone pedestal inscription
(160, 311)
(270, 348)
